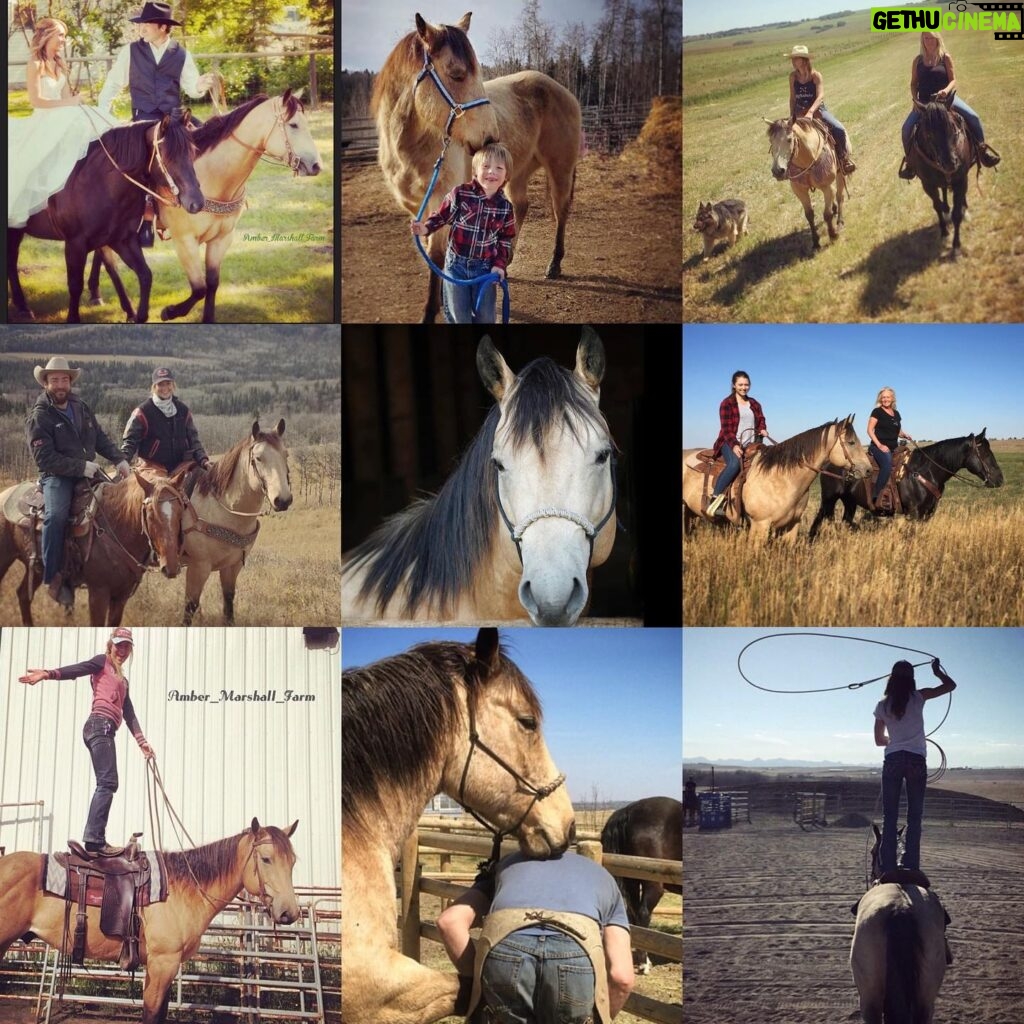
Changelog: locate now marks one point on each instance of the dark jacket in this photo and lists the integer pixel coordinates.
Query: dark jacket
(168, 440)
(155, 87)
(62, 449)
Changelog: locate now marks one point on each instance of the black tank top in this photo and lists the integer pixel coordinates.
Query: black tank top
(804, 92)
(930, 80)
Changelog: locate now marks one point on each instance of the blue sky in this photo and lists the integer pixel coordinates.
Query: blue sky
(699, 16)
(611, 700)
(370, 28)
(725, 718)
(950, 380)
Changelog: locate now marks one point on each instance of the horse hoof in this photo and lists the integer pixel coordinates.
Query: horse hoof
(553, 272)
(167, 313)
(94, 300)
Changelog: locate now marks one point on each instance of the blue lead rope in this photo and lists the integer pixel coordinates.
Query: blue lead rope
(478, 284)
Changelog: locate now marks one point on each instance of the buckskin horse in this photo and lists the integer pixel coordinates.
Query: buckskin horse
(778, 480)
(517, 528)
(423, 102)
(101, 206)
(804, 154)
(200, 884)
(442, 717)
(920, 482)
(139, 524)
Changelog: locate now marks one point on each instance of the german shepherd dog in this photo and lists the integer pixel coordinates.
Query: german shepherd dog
(717, 221)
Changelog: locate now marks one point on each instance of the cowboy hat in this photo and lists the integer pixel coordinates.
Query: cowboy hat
(56, 364)
(157, 12)
(799, 51)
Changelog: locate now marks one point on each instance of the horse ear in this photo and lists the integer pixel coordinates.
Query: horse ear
(493, 370)
(426, 32)
(590, 361)
(279, 429)
(147, 487)
(289, 832)
(488, 650)
(255, 827)
(255, 429)
(981, 436)
(463, 22)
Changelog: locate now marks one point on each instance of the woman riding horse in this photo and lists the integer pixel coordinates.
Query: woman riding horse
(807, 98)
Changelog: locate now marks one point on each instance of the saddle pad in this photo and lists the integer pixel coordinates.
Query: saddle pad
(26, 501)
(55, 880)
(14, 506)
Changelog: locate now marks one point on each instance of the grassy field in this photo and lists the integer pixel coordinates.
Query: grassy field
(888, 264)
(962, 568)
(287, 281)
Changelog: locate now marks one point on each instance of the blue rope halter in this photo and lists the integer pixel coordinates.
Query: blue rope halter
(478, 284)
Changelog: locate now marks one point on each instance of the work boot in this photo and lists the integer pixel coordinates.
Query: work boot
(146, 227)
(845, 162)
(104, 849)
(61, 592)
(715, 505)
(987, 156)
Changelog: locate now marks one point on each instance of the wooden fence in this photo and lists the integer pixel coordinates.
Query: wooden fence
(809, 810)
(458, 838)
(358, 139)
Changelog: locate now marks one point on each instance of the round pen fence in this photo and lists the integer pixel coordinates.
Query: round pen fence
(450, 836)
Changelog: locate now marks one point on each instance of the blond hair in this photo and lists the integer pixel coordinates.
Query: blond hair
(878, 397)
(940, 53)
(46, 29)
(497, 151)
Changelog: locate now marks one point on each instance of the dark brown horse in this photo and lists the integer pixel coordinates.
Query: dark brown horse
(101, 207)
(942, 155)
(200, 884)
(140, 525)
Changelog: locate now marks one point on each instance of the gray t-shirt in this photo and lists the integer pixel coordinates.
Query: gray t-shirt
(906, 733)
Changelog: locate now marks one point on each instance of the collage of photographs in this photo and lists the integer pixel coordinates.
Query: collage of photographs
(413, 323)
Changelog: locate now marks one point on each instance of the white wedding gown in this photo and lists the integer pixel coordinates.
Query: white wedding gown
(43, 149)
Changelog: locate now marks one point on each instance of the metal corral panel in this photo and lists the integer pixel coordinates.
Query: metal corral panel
(223, 761)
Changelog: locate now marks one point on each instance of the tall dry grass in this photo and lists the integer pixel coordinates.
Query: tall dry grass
(963, 568)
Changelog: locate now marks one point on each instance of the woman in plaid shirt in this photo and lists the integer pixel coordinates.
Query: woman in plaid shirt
(741, 417)
(483, 226)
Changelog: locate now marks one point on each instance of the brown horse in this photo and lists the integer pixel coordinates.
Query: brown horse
(200, 884)
(804, 155)
(535, 117)
(140, 525)
(226, 504)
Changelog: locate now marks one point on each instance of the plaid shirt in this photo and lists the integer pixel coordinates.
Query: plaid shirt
(729, 414)
(482, 228)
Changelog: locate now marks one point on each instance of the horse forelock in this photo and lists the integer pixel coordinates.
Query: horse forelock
(405, 61)
(180, 142)
(216, 129)
(435, 546)
(281, 843)
(544, 394)
(794, 450)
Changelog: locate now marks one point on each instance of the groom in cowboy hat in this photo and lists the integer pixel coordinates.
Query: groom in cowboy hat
(63, 437)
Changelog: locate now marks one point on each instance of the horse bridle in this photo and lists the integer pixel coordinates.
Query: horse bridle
(290, 159)
(537, 792)
(264, 897)
(149, 503)
(848, 465)
(456, 110)
(516, 530)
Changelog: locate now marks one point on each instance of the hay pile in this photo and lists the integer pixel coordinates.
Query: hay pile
(660, 142)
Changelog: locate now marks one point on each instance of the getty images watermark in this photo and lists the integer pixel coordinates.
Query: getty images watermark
(1003, 19)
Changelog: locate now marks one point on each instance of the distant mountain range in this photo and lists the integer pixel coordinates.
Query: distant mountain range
(774, 762)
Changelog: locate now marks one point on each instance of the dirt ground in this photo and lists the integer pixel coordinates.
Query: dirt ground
(622, 250)
(767, 926)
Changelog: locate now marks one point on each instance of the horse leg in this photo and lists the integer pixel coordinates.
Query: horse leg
(940, 205)
(228, 581)
(99, 603)
(116, 610)
(93, 283)
(561, 188)
(187, 249)
(215, 252)
(14, 237)
(156, 992)
(105, 258)
(195, 580)
(831, 211)
(75, 258)
(959, 203)
(23, 599)
(804, 196)
(130, 251)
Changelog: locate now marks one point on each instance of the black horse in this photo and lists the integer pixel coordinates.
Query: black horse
(942, 155)
(652, 827)
(928, 469)
(101, 207)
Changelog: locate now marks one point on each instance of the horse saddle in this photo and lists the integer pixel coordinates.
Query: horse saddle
(25, 507)
(712, 469)
(119, 886)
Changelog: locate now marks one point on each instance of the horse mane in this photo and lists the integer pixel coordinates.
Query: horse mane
(217, 480)
(207, 864)
(938, 451)
(398, 715)
(120, 503)
(180, 143)
(127, 145)
(938, 126)
(406, 61)
(435, 544)
(217, 128)
(794, 450)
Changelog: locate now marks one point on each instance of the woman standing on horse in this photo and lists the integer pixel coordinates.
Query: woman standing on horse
(885, 428)
(742, 420)
(43, 149)
(807, 98)
(110, 704)
(932, 79)
(899, 727)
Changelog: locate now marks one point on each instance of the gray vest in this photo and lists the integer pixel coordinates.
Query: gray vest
(155, 87)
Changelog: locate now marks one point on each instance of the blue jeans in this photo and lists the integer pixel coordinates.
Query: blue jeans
(459, 298)
(731, 471)
(884, 460)
(57, 493)
(838, 131)
(539, 979)
(98, 734)
(972, 119)
(899, 767)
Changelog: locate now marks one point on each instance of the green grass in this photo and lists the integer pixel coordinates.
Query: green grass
(888, 264)
(276, 281)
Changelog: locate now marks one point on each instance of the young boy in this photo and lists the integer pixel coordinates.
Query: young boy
(480, 241)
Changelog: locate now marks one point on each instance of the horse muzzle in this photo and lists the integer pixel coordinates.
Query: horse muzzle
(281, 503)
(778, 173)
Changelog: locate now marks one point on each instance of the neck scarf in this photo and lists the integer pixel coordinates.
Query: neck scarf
(166, 406)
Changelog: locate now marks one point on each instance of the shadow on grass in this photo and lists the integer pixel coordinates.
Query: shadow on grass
(892, 262)
(763, 260)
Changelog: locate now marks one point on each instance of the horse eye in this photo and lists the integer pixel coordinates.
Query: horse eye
(529, 723)
(603, 456)
(498, 464)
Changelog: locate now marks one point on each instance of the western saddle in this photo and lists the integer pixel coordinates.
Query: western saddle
(889, 501)
(712, 468)
(119, 886)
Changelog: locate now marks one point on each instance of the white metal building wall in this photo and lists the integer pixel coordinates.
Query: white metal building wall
(223, 762)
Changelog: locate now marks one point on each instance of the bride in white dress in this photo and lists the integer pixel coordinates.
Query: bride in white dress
(43, 149)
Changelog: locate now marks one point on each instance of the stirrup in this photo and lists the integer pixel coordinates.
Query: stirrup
(905, 171)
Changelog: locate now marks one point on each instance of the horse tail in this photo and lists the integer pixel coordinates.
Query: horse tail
(902, 965)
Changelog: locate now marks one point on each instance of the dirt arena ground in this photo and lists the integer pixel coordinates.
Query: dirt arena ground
(767, 925)
(622, 250)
